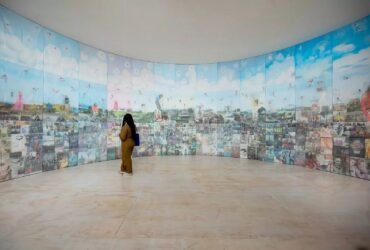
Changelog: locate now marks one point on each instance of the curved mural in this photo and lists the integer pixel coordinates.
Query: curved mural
(61, 103)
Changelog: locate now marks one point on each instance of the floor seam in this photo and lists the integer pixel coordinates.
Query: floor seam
(125, 217)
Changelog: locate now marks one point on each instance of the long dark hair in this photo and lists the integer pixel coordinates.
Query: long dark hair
(130, 122)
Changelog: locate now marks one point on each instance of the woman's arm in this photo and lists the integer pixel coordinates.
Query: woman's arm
(123, 134)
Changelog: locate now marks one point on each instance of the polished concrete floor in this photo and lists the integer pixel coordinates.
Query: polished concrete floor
(185, 203)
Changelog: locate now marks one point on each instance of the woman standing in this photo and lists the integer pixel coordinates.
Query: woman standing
(126, 135)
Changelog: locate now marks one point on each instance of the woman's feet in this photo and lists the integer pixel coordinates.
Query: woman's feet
(125, 173)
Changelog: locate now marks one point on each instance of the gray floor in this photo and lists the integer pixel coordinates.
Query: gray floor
(185, 203)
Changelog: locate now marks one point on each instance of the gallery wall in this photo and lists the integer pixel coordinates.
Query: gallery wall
(62, 102)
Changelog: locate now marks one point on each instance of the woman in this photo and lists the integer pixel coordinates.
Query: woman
(126, 135)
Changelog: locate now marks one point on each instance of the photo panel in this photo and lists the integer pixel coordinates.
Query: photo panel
(280, 85)
(252, 88)
(166, 102)
(228, 74)
(22, 93)
(61, 55)
(92, 102)
(119, 88)
(207, 94)
(21, 40)
(144, 92)
(33, 158)
(18, 153)
(61, 98)
(351, 63)
(5, 167)
(93, 65)
(313, 60)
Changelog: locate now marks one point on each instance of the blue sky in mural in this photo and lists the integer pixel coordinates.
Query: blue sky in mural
(3, 80)
(33, 35)
(144, 100)
(281, 57)
(280, 67)
(165, 85)
(164, 74)
(11, 23)
(118, 63)
(61, 55)
(57, 88)
(351, 38)
(229, 82)
(23, 83)
(229, 71)
(21, 41)
(185, 81)
(252, 84)
(138, 66)
(185, 74)
(207, 72)
(251, 67)
(280, 97)
(144, 90)
(119, 70)
(91, 93)
(351, 61)
(314, 73)
(67, 46)
(119, 81)
(93, 65)
(280, 74)
(207, 95)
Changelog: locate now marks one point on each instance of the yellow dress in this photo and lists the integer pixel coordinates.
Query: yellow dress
(127, 147)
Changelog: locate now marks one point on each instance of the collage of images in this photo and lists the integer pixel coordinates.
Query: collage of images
(62, 103)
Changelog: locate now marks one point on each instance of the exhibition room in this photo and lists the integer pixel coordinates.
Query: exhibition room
(185, 124)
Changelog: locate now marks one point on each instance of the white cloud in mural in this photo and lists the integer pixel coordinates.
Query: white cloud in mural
(322, 47)
(119, 76)
(185, 100)
(119, 87)
(343, 48)
(353, 59)
(58, 64)
(163, 82)
(284, 77)
(13, 50)
(281, 72)
(252, 92)
(253, 82)
(102, 55)
(325, 98)
(226, 82)
(279, 57)
(144, 80)
(205, 86)
(93, 68)
(228, 75)
(350, 75)
(317, 69)
(191, 74)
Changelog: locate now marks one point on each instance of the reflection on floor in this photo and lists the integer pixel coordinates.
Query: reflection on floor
(185, 203)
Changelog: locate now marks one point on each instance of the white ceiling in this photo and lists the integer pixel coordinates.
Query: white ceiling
(191, 31)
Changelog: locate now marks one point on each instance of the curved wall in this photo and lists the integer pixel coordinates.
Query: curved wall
(62, 102)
